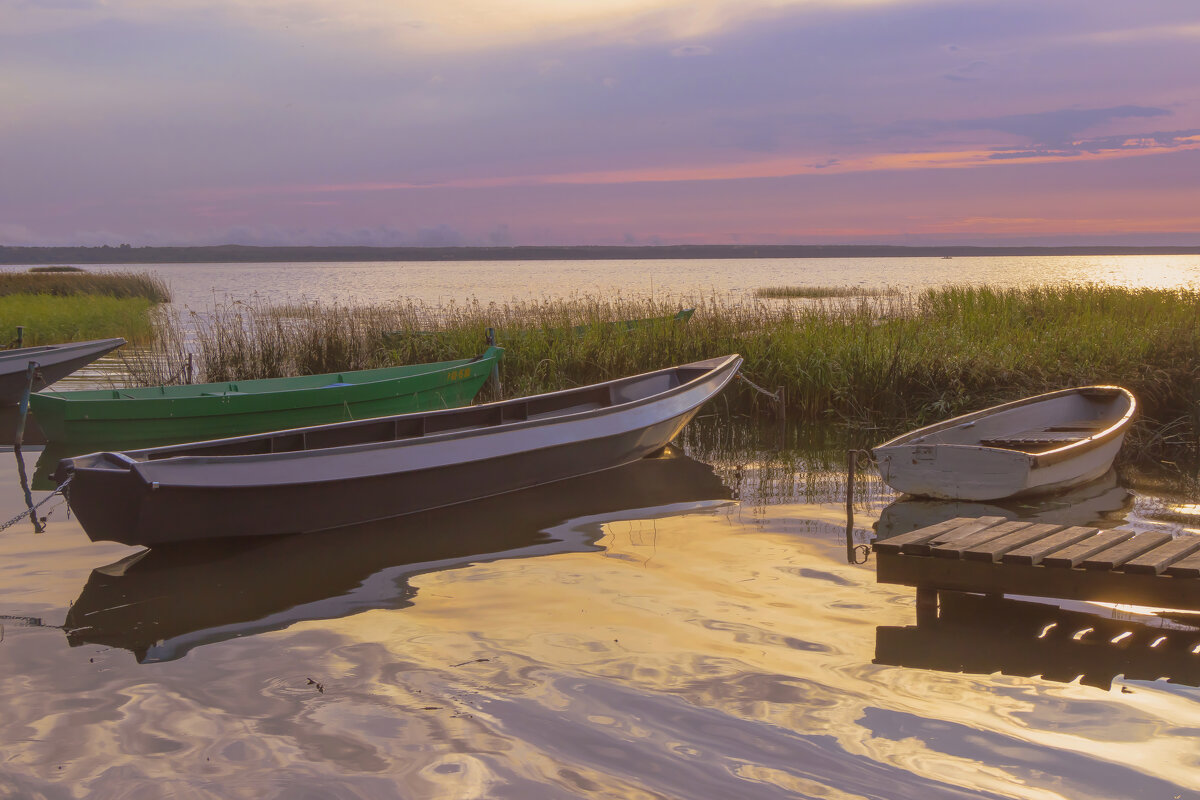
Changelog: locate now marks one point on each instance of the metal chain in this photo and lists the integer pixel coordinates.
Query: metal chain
(62, 487)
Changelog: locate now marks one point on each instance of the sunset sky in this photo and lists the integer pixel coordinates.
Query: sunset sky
(476, 122)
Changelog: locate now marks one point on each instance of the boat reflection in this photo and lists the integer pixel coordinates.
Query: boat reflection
(1103, 503)
(160, 603)
(981, 635)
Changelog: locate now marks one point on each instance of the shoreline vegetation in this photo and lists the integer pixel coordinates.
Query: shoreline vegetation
(75, 305)
(875, 365)
(231, 253)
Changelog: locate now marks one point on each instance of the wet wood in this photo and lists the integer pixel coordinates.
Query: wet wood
(1163, 556)
(1118, 554)
(1035, 551)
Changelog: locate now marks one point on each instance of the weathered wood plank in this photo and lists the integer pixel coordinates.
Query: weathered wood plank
(1116, 555)
(1186, 568)
(993, 550)
(961, 531)
(955, 547)
(894, 543)
(1034, 552)
(1155, 561)
(1073, 555)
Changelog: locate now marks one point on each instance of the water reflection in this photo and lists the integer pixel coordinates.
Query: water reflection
(161, 603)
(983, 635)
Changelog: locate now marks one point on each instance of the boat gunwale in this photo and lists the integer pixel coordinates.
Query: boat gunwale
(17, 353)
(142, 455)
(491, 353)
(1037, 459)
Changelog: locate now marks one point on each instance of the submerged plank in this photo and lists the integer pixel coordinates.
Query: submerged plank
(1035, 551)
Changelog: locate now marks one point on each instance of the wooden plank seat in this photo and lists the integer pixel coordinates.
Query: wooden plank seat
(1033, 438)
(995, 556)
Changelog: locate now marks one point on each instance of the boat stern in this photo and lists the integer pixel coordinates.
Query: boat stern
(949, 472)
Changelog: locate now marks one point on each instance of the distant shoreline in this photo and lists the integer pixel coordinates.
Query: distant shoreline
(250, 254)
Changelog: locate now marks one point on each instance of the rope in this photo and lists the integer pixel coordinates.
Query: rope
(62, 487)
(773, 395)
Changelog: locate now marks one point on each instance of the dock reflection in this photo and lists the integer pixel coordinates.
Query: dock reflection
(1102, 503)
(161, 603)
(981, 635)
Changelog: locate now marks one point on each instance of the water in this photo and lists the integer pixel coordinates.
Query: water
(688, 627)
(198, 286)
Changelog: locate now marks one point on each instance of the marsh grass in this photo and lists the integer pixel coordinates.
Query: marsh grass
(817, 292)
(68, 284)
(48, 319)
(876, 364)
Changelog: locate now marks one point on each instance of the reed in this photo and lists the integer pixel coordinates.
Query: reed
(49, 320)
(875, 364)
(68, 284)
(816, 292)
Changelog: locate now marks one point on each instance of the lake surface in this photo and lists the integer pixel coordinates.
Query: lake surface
(693, 626)
(198, 286)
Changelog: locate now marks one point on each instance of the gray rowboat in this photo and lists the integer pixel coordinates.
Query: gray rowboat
(54, 361)
(330, 476)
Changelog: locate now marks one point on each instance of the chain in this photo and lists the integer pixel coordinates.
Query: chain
(62, 489)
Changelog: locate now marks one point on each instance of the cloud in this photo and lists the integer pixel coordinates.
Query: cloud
(1060, 126)
(691, 50)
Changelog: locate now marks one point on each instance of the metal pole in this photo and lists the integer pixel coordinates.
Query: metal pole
(851, 464)
(23, 406)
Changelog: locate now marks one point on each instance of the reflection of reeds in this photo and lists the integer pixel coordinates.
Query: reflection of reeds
(882, 363)
(71, 283)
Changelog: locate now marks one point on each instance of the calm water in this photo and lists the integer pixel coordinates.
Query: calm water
(687, 627)
(198, 285)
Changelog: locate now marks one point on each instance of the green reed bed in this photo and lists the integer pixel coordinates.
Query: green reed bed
(68, 284)
(878, 364)
(49, 320)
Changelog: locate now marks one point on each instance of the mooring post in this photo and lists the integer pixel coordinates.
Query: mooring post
(23, 406)
(189, 369)
(20, 335)
(851, 467)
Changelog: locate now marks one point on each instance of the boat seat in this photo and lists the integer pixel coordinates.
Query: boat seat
(219, 394)
(1039, 436)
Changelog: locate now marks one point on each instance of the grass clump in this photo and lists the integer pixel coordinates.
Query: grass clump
(818, 292)
(878, 365)
(69, 284)
(49, 320)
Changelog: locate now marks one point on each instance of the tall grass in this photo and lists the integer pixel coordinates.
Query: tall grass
(68, 284)
(49, 320)
(813, 292)
(878, 364)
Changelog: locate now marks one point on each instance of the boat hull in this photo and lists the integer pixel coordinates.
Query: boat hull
(156, 502)
(54, 363)
(144, 420)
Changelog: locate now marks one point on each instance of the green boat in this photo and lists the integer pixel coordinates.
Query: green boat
(169, 414)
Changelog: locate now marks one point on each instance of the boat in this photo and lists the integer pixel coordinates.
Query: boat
(329, 476)
(54, 362)
(162, 602)
(165, 414)
(1041, 444)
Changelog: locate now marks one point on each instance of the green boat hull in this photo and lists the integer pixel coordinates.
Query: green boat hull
(169, 414)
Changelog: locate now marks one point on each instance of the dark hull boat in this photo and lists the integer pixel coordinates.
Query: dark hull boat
(160, 603)
(311, 479)
(55, 361)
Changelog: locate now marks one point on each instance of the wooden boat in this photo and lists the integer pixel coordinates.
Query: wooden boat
(329, 476)
(162, 414)
(1041, 444)
(160, 603)
(55, 361)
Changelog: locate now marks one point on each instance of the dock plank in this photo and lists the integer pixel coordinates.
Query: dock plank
(1116, 555)
(893, 543)
(1155, 561)
(960, 531)
(1073, 555)
(1035, 551)
(956, 546)
(1186, 568)
(996, 548)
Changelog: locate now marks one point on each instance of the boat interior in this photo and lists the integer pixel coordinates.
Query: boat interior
(415, 426)
(1043, 425)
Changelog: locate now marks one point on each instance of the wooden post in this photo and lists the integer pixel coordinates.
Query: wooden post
(851, 467)
(20, 335)
(23, 406)
(189, 369)
(927, 605)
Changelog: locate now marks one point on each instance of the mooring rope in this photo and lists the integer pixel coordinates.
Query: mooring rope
(61, 489)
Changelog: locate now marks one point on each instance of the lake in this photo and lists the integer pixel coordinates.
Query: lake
(692, 626)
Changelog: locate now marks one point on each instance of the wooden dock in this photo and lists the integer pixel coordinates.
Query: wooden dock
(995, 556)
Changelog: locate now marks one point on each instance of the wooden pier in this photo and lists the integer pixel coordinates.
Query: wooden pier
(994, 556)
